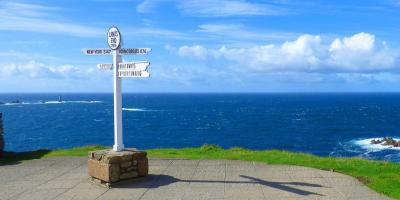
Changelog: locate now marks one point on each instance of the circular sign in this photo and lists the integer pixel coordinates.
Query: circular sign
(114, 38)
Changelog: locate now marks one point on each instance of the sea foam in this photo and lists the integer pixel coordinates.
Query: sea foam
(55, 102)
(134, 109)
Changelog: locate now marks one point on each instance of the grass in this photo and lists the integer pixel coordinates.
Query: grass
(381, 176)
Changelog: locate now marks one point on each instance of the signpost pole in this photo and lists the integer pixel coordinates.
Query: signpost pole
(121, 70)
(118, 139)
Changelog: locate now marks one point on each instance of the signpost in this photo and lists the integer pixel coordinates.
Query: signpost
(102, 51)
(127, 69)
(105, 66)
(134, 51)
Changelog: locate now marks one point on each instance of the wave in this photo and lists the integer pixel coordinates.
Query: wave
(362, 147)
(55, 102)
(135, 109)
(366, 144)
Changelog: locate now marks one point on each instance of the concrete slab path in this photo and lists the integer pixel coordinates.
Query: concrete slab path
(66, 178)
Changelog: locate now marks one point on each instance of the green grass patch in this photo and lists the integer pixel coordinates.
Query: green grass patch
(383, 177)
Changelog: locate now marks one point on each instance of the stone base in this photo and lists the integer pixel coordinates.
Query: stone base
(108, 166)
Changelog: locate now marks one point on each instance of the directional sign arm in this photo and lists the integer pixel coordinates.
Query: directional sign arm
(97, 52)
(136, 66)
(133, 74)
(134, 51)
(105, 66)
(130, 51)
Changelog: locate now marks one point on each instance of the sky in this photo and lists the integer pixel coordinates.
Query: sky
(203, 45)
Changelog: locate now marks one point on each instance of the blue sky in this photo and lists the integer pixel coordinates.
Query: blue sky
(204, 46)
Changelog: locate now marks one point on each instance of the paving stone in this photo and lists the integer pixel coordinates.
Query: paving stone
(67, 178)
(13, 188)
(59, 184)
(357, 192)
(311, 181)
(304, 174)
(243, 193)
(239, 166)
(203, 193)
(40, 194)
(83, 191)
(164, 194)
(343, 181)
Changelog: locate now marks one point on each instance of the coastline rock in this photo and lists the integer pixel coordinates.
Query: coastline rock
(387, 141)
(376, 141)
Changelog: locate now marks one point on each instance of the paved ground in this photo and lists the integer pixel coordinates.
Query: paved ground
(66, 178)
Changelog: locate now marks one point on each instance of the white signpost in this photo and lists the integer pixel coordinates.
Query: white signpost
(127, 69)
(102, 52)
(105, 66)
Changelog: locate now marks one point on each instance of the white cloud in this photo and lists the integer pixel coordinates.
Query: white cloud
(196, 51)
(212, 8)
(23, 9)
(39, 18)
(147, 6)
(308, 53)
(360, 52)
(34, 69)
(187, 74)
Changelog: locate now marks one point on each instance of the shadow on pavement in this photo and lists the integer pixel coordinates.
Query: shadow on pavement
(13, 158)
(155, 181)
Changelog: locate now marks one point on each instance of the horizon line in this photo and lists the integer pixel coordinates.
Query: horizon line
(318, 92)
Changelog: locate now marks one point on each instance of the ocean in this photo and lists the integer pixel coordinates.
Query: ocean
(326, 124)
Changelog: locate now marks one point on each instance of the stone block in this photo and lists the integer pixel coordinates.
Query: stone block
(97, 155)
(133, 168)
(139, 154)
(128, 157)
(143, 166)
(128, 175)
(125, 164)
(109, 166)
(103, 171)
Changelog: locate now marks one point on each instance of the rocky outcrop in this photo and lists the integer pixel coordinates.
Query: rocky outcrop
(387, 141)
(1, 133)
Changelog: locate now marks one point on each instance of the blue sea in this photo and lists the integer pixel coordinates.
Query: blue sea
(327, 124)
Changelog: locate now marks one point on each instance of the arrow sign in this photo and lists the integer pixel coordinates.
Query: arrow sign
(105, 66)
(133, 74)
(134, 51)
(130, 51)
(136, 66)
(97, 52)
(133, 69)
